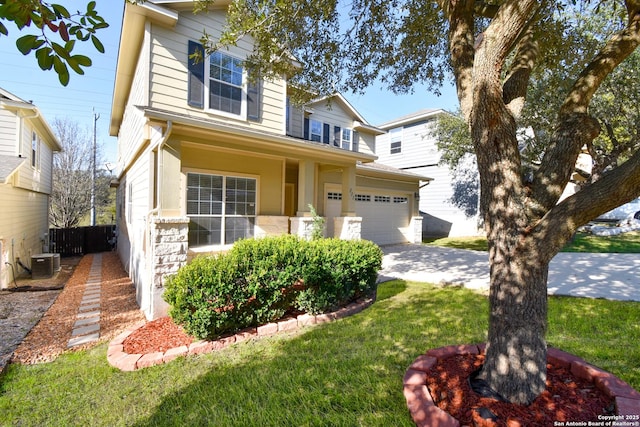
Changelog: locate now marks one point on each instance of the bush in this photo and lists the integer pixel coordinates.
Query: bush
(337, 272)
(259, 280)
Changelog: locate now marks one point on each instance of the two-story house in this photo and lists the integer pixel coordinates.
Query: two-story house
(27, 144)
(448, 204)
(208, 158)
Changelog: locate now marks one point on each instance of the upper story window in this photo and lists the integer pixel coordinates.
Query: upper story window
(315, 130)
(395, 138)
(34, 149)
(228, 90)
(225, 83)
(347, 139)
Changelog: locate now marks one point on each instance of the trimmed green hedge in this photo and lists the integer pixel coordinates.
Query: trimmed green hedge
(259, 280)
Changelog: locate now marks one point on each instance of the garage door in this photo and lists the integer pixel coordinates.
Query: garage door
(385, 218)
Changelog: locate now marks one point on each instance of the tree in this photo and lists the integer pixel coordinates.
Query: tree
(72, 169)
(58, 29)
(491, 49)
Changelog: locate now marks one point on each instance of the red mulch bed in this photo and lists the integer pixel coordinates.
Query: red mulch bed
(157, 335)
(566, 398)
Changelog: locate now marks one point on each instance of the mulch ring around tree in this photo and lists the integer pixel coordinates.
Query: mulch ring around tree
(438, 392)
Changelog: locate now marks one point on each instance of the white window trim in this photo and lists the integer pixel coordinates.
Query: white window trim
(207, 92)
(395, 135)
(348, 141)
(225, 174)
(311, 122)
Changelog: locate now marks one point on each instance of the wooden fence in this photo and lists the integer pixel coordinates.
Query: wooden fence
(81, 240)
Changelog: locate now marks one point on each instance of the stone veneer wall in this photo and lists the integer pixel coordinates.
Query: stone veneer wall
(348, 227)
(169, 247)
(415, 230)
(302, 226)
(271, 225)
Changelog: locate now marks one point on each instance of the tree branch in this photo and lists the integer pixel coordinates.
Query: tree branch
(615, 188)
(575, 126)
(517, 80)
(461, 41)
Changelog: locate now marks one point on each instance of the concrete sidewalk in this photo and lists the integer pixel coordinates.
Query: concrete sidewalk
(610, 276)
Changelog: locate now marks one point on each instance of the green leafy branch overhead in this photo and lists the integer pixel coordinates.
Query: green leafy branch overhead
(59, 30)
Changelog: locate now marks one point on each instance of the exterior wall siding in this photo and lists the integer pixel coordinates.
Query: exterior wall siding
(130, 136)
(23, 225)
(133, 241)
(8, 129)
(419, 154)
(168, 73)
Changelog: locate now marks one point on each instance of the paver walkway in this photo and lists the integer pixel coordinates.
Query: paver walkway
(86, 329)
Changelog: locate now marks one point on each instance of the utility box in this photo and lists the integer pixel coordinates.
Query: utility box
(41, 266)
(56, 262)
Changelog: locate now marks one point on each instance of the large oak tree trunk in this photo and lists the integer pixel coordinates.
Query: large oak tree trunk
(516, 355)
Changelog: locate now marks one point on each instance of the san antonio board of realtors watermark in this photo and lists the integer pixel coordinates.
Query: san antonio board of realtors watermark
(604, 421)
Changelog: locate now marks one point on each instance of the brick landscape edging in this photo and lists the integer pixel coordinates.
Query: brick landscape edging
(425, 413)
(117, 357)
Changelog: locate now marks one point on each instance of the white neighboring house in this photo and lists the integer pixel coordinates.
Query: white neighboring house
(27, 144)
(410, 144)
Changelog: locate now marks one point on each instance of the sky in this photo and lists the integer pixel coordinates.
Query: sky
(88, 96)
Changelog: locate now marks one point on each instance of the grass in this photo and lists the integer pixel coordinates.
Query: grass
(345, 373)
(582, 242)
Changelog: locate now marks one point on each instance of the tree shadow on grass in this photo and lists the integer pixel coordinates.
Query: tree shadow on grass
(348, 372)
(389, 289)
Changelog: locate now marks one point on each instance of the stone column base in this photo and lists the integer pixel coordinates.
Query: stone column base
(347, 227)
(415, 230)
(302, 226)
(169, 247)
(271, 225)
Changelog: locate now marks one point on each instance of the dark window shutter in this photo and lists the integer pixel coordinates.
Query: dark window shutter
(306, 128)
(196, 75)
(326, 130)
(355, 141)
(253, 100)
(337, 136)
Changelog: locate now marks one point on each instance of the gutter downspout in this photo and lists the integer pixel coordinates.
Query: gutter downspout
(160, 167)
(159, 147)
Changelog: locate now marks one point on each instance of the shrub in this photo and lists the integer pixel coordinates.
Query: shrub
(259, 280)
(337, 272)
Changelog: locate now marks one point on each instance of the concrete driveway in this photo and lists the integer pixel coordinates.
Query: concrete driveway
(610, 276)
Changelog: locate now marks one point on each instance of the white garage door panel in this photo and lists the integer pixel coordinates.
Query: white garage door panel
(384, 218)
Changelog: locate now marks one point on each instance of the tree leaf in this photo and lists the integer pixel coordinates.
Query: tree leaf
(61, 51)
(85, 61)
(98, 44)
(62, 70)
(45, 59)
(74, 65)
(60, 11)
(3, 29)
(64, 34)
(26, 43)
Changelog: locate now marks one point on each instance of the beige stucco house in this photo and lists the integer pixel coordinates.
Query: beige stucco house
(27, 144)
(207, 159)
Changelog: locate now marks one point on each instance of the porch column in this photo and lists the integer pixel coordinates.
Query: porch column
(348, 226)
(306, 187)
(302, 224)
(169, 166)
(169, 247)
(348, 191)
(166, 163)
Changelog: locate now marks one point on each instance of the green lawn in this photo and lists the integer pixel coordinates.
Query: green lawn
(345, 373)
(582, 242)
